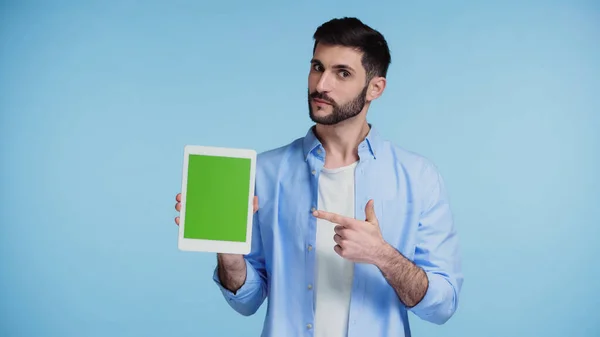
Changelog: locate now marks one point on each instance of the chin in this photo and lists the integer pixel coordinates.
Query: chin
(320, 114)
(321, 109)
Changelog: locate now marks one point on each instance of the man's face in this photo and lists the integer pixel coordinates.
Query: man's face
(337, 88)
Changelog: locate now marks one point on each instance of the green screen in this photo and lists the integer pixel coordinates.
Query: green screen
(217, 198)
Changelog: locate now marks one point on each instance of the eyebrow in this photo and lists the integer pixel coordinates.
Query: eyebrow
(337, 66)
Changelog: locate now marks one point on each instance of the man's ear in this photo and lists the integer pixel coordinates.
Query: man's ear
(376, 87)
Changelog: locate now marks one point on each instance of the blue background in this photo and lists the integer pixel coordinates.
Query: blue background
(98, 99)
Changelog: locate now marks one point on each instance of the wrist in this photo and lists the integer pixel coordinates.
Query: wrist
(384, 255)
(231, 261)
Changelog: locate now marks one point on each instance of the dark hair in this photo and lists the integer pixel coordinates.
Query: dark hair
(351, 32)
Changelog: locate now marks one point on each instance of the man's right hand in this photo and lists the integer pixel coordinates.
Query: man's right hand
(232, 267)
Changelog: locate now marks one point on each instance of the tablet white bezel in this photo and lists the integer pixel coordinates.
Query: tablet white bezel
(216, 246)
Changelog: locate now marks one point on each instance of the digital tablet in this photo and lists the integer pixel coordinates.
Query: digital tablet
(217, 196)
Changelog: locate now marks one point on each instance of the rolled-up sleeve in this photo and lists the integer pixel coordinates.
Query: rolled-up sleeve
(437, 252)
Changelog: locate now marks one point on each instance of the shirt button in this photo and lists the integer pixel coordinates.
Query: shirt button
(319, 151)
(314, 172)
(313, 209)
(309, 247)
(309, 326)
(309, 286)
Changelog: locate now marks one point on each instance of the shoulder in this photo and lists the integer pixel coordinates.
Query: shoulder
(271, 161)
(277, 155)
(415, 165)
(416, 171)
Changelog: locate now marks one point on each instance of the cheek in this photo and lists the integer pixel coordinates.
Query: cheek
(351, 94)
(312, 82)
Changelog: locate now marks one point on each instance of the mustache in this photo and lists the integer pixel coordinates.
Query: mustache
(322, 96)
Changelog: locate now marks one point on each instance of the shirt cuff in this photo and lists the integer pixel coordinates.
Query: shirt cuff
(434, 297)
(252, 280)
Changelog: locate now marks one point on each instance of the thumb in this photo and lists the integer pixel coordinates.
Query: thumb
(370, 212)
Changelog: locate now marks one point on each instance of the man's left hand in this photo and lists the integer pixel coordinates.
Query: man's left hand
(358, 241)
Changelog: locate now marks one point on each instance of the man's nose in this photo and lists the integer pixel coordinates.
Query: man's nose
(324, 84)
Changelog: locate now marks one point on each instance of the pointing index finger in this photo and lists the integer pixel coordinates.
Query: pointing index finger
(332, 217)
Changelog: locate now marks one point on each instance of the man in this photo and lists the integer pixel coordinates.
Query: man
(350, 231)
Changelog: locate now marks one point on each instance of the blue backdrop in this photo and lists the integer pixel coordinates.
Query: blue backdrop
(98, 99)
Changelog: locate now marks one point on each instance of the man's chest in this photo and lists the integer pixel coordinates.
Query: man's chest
(286, 215)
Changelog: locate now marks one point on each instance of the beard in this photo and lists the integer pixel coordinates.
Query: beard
(340, 113)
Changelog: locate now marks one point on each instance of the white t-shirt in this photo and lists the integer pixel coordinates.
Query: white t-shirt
(334, 274)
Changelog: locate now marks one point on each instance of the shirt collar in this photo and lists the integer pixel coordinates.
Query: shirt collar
(369, 145)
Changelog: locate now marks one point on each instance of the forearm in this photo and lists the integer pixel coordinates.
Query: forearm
(232, 271)
(408, 280)
(242, 281)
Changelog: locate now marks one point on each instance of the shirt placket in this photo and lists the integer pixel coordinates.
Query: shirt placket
(315, 163)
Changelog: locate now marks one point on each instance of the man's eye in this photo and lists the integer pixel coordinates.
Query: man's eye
(345, 73)
(317, 67)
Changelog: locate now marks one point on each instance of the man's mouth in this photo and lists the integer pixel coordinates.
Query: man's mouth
(320, 101)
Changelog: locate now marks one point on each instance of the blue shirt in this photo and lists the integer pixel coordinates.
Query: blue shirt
(412, 208)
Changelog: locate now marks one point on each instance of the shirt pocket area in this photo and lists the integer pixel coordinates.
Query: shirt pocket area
(398, 222)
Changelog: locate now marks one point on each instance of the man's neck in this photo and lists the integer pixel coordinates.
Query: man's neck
(341, 141)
